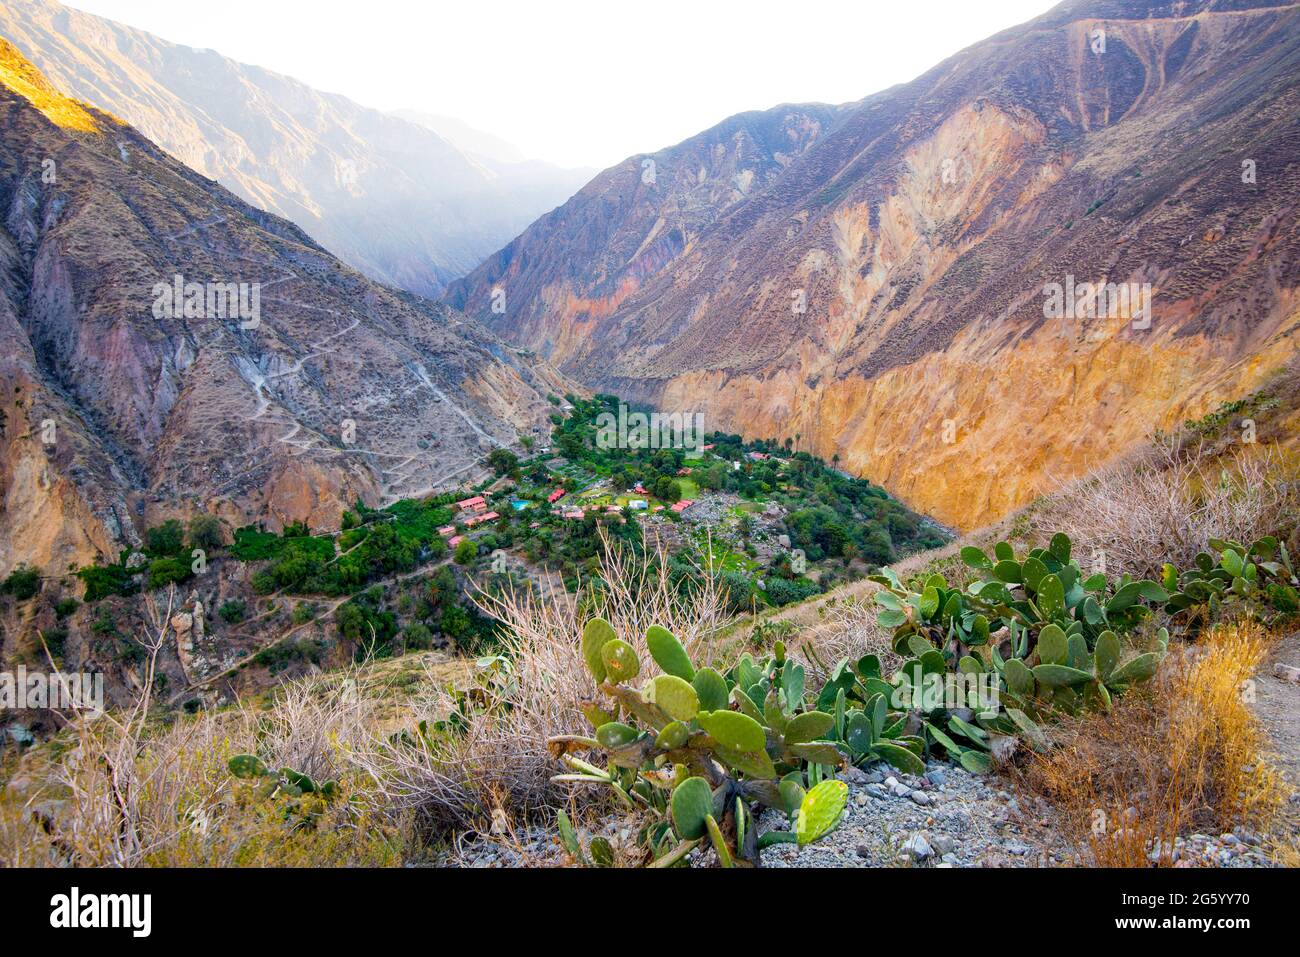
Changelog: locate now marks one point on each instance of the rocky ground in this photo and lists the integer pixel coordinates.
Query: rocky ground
(947, 818)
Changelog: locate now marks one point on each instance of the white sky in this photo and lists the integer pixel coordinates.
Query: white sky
(583, 82)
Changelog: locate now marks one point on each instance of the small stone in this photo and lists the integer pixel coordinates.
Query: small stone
(942, 843)
(863, 851)
(920, 797)
(917, 848)
(935, 777)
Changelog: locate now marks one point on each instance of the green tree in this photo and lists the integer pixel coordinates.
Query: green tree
(206, 532)
(23, 582)
(466, 552)
(167, 539)
(503, 461)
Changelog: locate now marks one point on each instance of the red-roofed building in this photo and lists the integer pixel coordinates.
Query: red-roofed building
(480, 519)
(683, 505)
(641, 489)
(455, 540)
(683, 471)
(475, 503)
(555, 496)
(447, 530)
(575, 513)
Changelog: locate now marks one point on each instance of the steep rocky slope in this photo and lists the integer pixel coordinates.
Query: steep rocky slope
(388, 196)
(871, 280)
(121, 404)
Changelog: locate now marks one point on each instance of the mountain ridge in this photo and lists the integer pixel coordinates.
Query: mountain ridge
(919, 229)
(391, 197)
(278, 386)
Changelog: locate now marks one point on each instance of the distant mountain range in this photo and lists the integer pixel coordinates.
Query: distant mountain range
(874, 281)
(167, 349)
(392, 197)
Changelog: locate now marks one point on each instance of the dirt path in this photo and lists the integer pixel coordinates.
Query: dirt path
(1277, 705)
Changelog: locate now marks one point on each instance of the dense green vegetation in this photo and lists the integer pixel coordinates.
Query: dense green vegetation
(834, 523)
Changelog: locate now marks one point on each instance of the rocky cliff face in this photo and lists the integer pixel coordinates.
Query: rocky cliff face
(166, 348)
(877, 281)
(388, 196)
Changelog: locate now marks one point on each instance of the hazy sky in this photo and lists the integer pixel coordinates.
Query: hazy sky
(583, 82)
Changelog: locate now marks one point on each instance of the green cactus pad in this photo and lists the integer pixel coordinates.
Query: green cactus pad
(792, 792)
(1053, 646)
(1060, 547)
(1106, 654)
(808, 727)
(719, 843)
(568, 837)
(668, 653)
(820, 811)
(620, 660)
(1051, 596)
(976, 762)
(1136, 669)
(1061, 676)
(248, 766)
(732, 729)
(712, 690)
(753, 764)
(594, 636)
(1020, 680)
(691, 803)
(674, 696)
(902, 758)
(602, 852)
(673, 736)
(615, 735)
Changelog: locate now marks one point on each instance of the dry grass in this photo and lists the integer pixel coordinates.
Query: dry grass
(1164, 505)
(499, 765)
(121, 790)
(848, 629)
(1181, 755)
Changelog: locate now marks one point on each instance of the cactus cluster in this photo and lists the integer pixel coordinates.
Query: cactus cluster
(307, 797)
(1034, 635)
(700, 748)
(1259, 578)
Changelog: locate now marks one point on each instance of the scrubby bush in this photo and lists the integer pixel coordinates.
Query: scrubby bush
(23, 582)
(206, 533)
(233, 611)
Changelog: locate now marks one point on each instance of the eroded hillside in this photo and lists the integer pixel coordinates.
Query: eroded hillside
(877, 291)
(167, 349)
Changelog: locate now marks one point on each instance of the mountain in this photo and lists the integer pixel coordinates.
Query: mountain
(533, 184)
(166, 349)
(390, 197)
(879, 281)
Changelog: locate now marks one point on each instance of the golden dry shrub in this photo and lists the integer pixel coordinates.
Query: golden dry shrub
(1182, 754)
